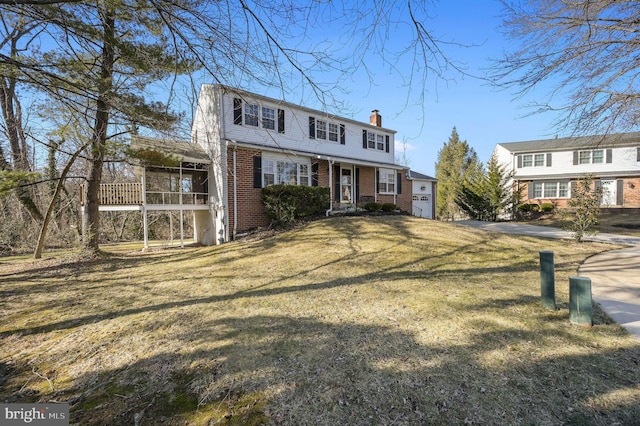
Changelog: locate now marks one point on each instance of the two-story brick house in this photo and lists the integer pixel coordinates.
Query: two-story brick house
(254, 141)
(242, 142)
(546, 170)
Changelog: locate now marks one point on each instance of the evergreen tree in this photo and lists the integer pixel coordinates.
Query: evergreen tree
(488, 195)
(457, 162)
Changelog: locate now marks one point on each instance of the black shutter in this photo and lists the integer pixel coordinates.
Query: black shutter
(399, 185)
(519, 161)
(364, 139)
(237, 111)
(257, 172)
(377, 180)
(638, 154)
(312, 128)
(280, 121)
(357, 184)
(548, 159)
(343, 137)
(619, 192)
(314, 174)
(574, 188)
(530, 190)
(609, 155)
(598, 187)
(336, 182)
(575, 158)
(387, 144)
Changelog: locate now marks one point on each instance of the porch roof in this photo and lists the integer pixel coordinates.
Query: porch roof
(184, 151)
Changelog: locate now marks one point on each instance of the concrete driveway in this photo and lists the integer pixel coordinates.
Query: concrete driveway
(615, 275)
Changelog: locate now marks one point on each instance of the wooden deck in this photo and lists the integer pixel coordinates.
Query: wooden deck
(130, 194)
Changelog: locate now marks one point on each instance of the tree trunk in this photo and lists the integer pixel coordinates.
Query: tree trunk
(14, 134)
(91, 225)
(52, 205)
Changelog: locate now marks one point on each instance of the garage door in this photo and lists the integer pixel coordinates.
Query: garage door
(421, 206)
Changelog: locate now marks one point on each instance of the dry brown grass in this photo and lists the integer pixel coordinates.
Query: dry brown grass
(610, 223)
(386, 320)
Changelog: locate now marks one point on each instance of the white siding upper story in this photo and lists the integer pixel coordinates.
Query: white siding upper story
(609, 156)
(226, 115)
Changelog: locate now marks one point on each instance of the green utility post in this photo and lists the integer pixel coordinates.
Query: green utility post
(547, 280)
(580, 301)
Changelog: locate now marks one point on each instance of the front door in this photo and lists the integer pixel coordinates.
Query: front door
(608, 192)
(346, 186)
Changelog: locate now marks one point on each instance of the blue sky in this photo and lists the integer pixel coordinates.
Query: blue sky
(483, 115)
(424, 119)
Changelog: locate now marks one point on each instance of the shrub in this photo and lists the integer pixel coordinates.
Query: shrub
(388, 207)
(547, 207)
(373, 207)
(285, 204)
(528, 207)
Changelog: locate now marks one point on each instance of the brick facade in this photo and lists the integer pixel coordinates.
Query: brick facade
(630, 195)
(250, 211)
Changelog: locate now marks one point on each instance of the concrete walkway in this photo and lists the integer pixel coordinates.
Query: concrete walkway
(615, 275)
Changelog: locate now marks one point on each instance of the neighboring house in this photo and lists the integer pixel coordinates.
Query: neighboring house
(546, 170)
(242, 142)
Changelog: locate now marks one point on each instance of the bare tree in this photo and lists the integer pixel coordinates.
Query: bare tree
(99, 58)
(586, 50)
(15, 38)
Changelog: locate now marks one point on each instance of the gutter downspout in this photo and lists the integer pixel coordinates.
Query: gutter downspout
(330, 209)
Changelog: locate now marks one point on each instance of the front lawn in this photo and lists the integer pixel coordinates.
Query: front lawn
(345, 321)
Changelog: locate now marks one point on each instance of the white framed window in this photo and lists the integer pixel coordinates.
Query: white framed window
(538, 160)
(268, 118)
(584, 157)
(597, 156)
(552, 189)
(534, 160)
(563, 189)
(371, 140)
(333, 132)
(326, 130)
(537, 190)
(251, 114)
(285, 171)
(386, 181)
(268, 172)
(376, 141)
(321, 129)
(303, 173)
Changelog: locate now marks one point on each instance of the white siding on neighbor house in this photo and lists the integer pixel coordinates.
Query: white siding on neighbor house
(623, 160)
(296, 131)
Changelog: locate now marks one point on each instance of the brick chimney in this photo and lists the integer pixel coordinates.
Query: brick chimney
(375, 119)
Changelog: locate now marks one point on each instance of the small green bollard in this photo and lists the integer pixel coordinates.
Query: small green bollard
(547, 280)
(580, 301)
